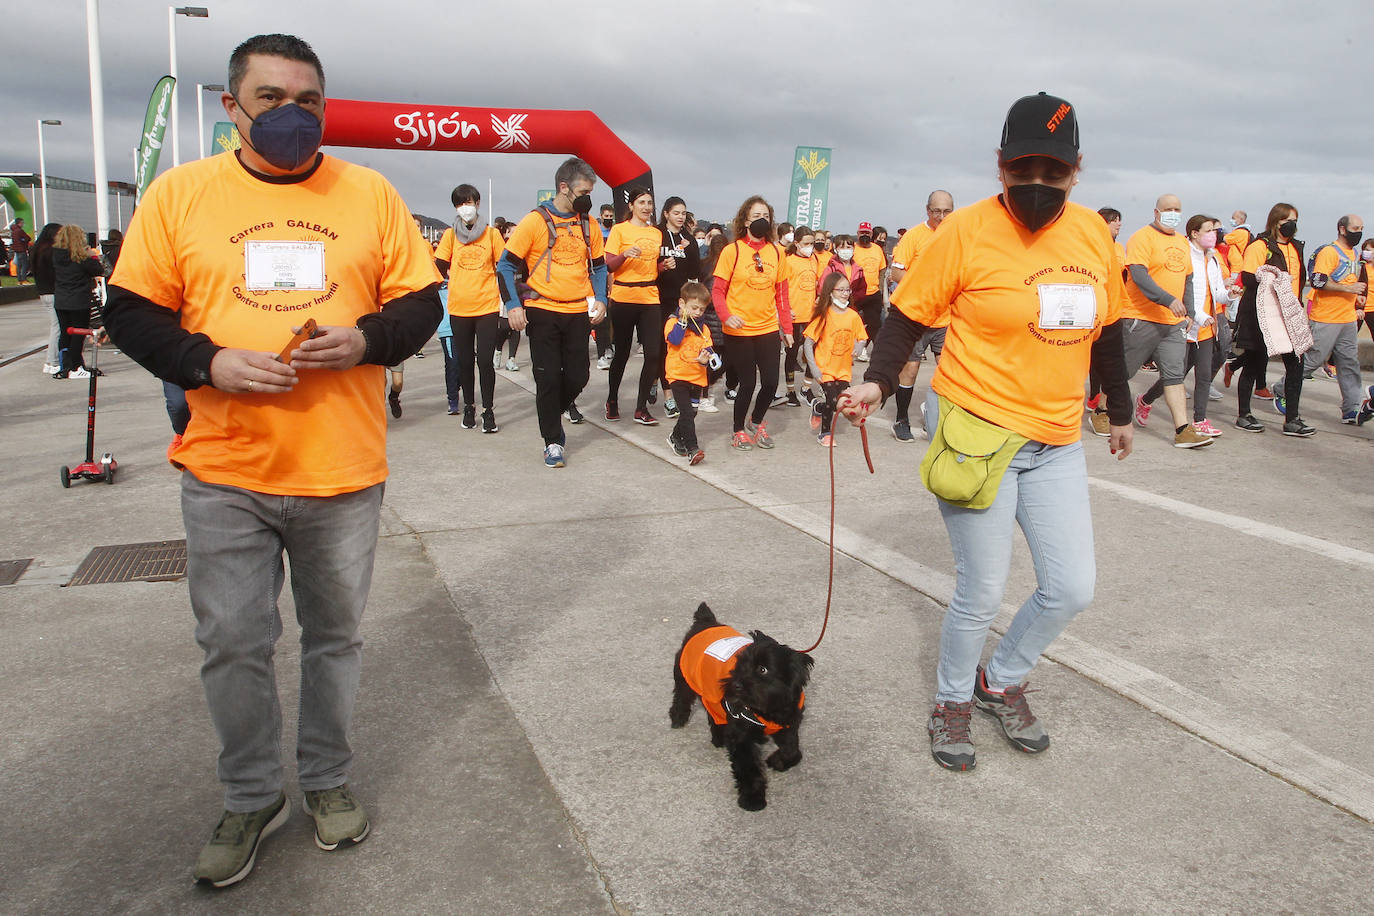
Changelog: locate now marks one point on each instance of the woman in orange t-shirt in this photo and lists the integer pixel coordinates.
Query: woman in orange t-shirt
(751, 300)
(1031, 285)
(632, 257)
(1275, 246)
(803, 279)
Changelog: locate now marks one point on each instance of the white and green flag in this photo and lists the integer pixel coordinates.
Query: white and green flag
(806, 206)
(154, 127)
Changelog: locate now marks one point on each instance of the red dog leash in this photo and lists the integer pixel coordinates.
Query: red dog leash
(830, 581)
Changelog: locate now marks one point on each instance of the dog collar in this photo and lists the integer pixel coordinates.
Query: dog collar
(745, 714)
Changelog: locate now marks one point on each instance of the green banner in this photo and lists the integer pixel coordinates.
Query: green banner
(543, 196)
(154, 126)
(20, 206)
(225, 138)
(806, 205)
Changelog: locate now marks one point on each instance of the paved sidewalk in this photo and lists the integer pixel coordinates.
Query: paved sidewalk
(511, 730)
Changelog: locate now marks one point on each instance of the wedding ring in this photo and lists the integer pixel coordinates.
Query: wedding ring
(250, 384)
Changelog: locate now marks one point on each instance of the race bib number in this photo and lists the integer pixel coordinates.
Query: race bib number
(724, 649)
(1067, 305)
(284, 265)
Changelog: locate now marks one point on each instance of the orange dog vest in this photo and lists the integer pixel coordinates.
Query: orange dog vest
(707, 660)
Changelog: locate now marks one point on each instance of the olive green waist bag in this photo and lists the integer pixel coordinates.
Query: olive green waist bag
(967, 457)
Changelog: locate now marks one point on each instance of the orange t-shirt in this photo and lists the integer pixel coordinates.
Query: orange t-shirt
(680, 360)
(802, 284)
(1024, 310)
(637, 281)
(1168, 261)
(753, 278)
(706, 662)
(243, 261)
(472, 289)
(911, 244)
(1237, 240)
(1332, 307)
(563, 279)
(834, 347)
(873, 262)
(1257, 255)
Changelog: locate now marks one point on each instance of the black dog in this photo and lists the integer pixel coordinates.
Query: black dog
(752, 687)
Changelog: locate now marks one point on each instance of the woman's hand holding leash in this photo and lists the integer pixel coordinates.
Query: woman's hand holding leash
(857, 402)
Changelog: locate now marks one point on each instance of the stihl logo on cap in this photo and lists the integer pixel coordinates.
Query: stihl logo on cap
(1058, 118)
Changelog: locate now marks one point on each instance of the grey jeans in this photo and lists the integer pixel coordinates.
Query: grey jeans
(1340, 342)
(1165, 343)
(54, 329)
(234, 544)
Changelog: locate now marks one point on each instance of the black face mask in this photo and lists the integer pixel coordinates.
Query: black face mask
(865, 241)
(582, 204)
(1035, 205)
(759, 228)
(1353, 238)
(608, 221)
(1288, 228)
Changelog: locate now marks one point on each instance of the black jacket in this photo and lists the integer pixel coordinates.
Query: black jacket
(74, 280)
(1248, 335)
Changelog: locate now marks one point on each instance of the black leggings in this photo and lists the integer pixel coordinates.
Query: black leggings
(1252, 365)
(627, 320)
(871, 311)
(795, 359)
(832, 394)
(504, 333)
(72, 346)
(755, 360)
(685, 431)
(475, 338)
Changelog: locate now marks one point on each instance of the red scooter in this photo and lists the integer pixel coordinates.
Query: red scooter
(90, 469)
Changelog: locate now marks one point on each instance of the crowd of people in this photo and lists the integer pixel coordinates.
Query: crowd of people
(1026, 302)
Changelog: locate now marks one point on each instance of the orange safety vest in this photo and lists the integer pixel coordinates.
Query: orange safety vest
(706, 663)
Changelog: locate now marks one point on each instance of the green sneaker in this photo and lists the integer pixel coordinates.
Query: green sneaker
(338, 817)
(229, 856)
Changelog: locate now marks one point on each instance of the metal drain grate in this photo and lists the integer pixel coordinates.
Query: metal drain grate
(156, 561)
(11, 570)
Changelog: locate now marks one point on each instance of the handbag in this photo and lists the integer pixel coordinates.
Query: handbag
(967, 457)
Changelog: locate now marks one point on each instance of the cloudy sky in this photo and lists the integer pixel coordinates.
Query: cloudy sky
(1228, 105)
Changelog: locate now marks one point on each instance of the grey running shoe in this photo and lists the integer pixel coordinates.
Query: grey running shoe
(338, 817)
(1011, 709)
(1296, 427)
(231, 852)
(901, 431)
(950, 742)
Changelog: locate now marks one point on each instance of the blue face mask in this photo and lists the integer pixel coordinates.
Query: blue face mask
(287, 136)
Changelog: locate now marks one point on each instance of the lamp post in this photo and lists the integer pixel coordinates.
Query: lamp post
(43, 163)
(195, 12)
(102, 181)
(202, 88)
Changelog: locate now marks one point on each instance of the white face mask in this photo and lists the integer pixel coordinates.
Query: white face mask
(1170, 219)
(1367, 254)
(839, 303)
(467, 213)
(845, 253)
(787, 239)
(805, 250)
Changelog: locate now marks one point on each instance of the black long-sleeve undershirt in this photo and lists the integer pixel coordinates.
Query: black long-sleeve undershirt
(153, 337)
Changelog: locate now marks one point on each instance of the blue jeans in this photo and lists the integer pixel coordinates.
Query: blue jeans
(1045, 492)
(234, 544)
(178, 411)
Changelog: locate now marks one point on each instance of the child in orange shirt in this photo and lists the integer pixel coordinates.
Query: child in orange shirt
(689, 352)
(831, 339)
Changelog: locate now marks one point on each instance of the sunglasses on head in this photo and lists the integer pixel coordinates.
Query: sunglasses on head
(758, 262)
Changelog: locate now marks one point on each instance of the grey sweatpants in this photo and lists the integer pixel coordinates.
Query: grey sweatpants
(1341, 344)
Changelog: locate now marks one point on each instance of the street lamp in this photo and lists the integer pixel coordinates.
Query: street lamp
(43, 163)
(202, 88)
(195, 12)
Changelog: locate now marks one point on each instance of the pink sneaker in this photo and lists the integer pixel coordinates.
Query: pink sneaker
(1205, 428)
(1142, 412)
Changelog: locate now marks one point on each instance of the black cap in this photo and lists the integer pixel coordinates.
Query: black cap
(1041, 125)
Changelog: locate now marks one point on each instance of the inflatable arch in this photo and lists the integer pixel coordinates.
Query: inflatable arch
(19, 204)
(388, 125)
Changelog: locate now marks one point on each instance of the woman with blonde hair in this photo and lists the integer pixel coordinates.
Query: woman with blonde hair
(75, 266)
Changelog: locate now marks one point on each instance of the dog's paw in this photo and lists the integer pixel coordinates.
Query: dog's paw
(753, 802)
(678, 718)
(780, 761)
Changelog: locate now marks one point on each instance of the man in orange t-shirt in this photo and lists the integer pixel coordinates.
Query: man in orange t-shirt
(225, 257)
(1161, 276)
(1332, 313)
(939, 204)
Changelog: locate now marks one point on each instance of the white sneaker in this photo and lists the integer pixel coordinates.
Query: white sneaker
(50, 368)
(708, 405)
(604, 362)
(512, 365)
(78, 373)
(496, 361)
